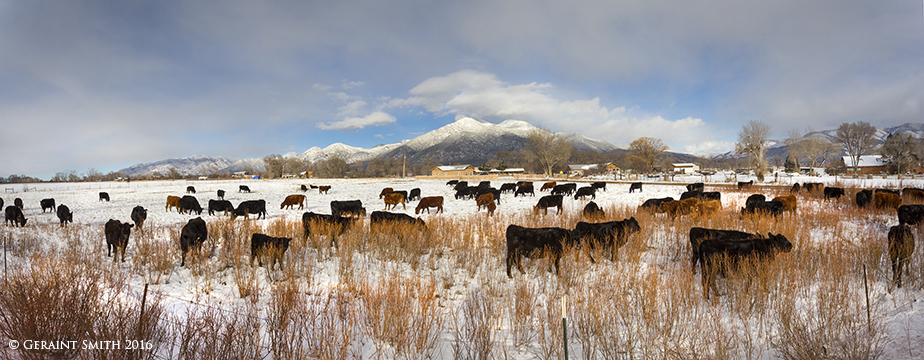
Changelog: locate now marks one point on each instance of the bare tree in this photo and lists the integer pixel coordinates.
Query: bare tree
(333, 167)
(752, 140)
(548, 148)
(646, 154)
(900, 150)
(856, 139)
(814, 148)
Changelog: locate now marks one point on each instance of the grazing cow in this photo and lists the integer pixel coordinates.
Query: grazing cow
(560, 189)
(698, 235)
(220, 205)
(1, 203)
(323, 189)
(250, 207)
(188, 204)
(117, 234)
(103, 196)
(14, 216)
(886, 200)
(385, 191)
(901, 246)
(571, 188)
(65, 215)
(484, 184)
(696, 187)
(774, 208)
(452, 182)
(509, 187)
(495, 192)
(349, 207)
(592, 210)
(394, 199)
(913, 194)
(708, 208)
(379, 218)
(864, 197)
(600, 185)
(17, 202)
(190, 190)
(812, 187)
(193, 235)
(524, 183)
(745, 185)
(460, 185)
(654, 204)
(262, 245)
(702, 196)
(243, 188)
(414, 194)
(548, 186)
(48, 204)
(714, 252)
(833, 192)
(586, 191)
(610, 235)
(546, 202)
(429, 202)
(484, 200)
(911, 214)
(682, 207)
(790, 203)
(303, 188)
(523, 190)
(334, 226)
(172, 202)
(221, 194)
(312, 186)
(535, 242)
(139, 215)
(795, 189)
(635, 186)
(755, 198)
(293, 200)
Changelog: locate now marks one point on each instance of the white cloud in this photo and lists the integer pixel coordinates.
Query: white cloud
(356, 123)
(346, 85)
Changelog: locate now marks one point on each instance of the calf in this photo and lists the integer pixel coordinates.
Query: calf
(509, 187)
(654, 204)
(117, 234)
(14, 216)
(546, 202)
(221, 194)
(243, 188)
(833, 192)
(394, 199)
(262, 245)
(599, 185)
(414, 194)
(696, 187)
(592, 210)
(188, 204)
(911, 214)
(523, 190)
(585, 192)
(333, 225)
(323, 189)
(190, 190)
(548, 186)
(864, 197)
(610, 235)
(745, 185)
(429, 202)
(257, 207)
(484, 200)
(379, 218)
(901, 246)
(47, 204)
(193, 235)
(774, 208)
(698, 235)
(790, 203)
(220, 205)
(293, 200)
(65, 215)
(635, 186)
(103, 196)
(886, 200)
(535, 242)
(718, 256)
(385, 191)
(172, 202)
(349, 207)
(139, 215)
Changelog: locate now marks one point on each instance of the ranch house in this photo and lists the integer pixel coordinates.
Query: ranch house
(868, 165)
(685, 168)
(453, 170)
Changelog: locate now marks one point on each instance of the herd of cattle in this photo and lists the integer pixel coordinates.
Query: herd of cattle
(708, 245)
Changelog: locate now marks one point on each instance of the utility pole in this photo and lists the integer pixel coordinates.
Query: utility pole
(404, 167)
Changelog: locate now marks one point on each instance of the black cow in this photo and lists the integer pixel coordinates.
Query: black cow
(911, 214)
(755, 198)
(14, 216)
(139, 215)
(243, 188)
(349, 207)
(698, 235)
(548, 201)
(190, 190)
(303, 188)
(509, 187)
(484, 184)
(250, 207)
(488, 190)
(523, 190)
(774, 208)
(696, 187)
(262, 245)
(188, 204)
(833, 192)
(103, 196)
(702, 196)
(796, 188)
(654, 204)
(466, 193)
(610, 235)
(901, 246)
(535, 242)
(220, 205)
(65, 215)
(635, 186)
(586, 191)
(117, 234)
(334, 225)
(811, 187)
(414, 194)
(460, 185)
(381, 217)
(17, 202)
(564, 189)
(600, 185)
(1, 203)
(592, 210)
(221, 194)
(193, 235)
(743, 185)
(48, 204)
(864, 197)
(452, 182)
(713, 252)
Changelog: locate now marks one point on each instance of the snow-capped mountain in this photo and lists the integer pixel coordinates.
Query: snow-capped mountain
(779, 147)
(195, 165)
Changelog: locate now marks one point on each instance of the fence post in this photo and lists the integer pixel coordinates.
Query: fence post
(564, 325)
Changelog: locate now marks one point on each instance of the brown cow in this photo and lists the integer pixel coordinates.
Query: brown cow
(385, 191)
(682, 207)
(886, 200)
(790, 203)
(323, 189)
(172, 201)
(484, 200)
(394, 199)
(429, 202)
(548, 186)
(293, 200)
(708, 208)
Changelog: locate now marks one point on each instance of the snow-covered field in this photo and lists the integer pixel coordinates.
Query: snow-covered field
(466, 277)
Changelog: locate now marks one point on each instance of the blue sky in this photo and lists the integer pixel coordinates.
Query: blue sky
(107, 84)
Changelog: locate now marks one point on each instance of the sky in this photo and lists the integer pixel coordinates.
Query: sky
(103, 85)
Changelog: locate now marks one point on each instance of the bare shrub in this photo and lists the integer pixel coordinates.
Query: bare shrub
(212, 333)
(474, 327)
